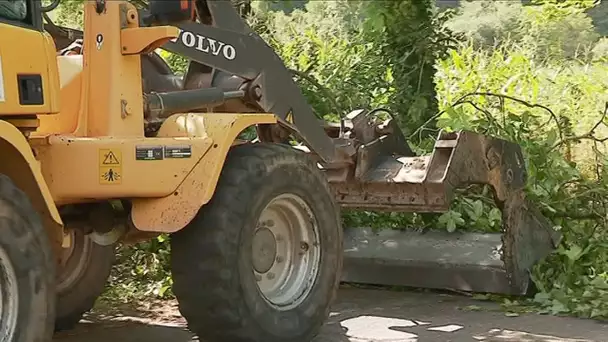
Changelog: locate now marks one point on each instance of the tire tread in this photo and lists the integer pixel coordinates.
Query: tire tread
(215, 306)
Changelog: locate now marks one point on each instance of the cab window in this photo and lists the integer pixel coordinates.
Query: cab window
(23, 13)
(14, 10)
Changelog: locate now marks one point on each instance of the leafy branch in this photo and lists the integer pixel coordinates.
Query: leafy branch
(589, 135)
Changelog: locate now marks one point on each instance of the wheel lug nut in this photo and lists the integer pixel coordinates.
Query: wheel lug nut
(270, 276)
(304, 246)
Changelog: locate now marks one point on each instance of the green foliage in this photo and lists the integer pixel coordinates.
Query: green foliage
(409, 37)
(69, 14)
(324, 43)
(554, 31)
(566, 164)
(141, 271)
(178, 64)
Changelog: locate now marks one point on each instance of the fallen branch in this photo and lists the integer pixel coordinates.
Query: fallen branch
(464, 99)
(523, 102)
(586, 136)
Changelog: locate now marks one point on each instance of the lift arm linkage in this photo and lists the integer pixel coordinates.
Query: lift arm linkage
(223, 41)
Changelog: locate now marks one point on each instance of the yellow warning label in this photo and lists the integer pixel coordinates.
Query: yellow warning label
(110, 166)
(110, 175)
(109, 157)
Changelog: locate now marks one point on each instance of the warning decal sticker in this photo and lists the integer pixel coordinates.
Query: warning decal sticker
(2, 99)
(110, 166)
(148, 153)
(178, 151)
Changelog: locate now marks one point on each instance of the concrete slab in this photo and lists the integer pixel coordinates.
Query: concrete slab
(433, 259)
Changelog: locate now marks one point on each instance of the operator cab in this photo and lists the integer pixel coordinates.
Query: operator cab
(168, 12)
(29, 84)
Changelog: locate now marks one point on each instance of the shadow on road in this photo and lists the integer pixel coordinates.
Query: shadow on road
(127, 329)
(367, 316)
(383, 316)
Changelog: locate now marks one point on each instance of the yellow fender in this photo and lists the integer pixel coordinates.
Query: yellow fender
(20, 165)
(172, 213)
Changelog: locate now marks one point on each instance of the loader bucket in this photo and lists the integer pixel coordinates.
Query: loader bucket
(494, 263)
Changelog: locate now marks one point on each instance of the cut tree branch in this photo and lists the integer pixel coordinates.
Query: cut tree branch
(586, 136)
(464, 99)
(523, 102)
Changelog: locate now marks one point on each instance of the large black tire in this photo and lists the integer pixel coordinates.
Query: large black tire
(81, 279)
(27, 268)
(212, 258)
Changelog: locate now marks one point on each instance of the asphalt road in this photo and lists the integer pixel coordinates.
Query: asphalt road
(367, 316)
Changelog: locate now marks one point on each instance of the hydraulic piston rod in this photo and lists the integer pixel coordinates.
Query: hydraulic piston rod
(163, 105)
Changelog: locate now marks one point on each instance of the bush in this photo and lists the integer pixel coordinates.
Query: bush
(550, 31)
(564, 151)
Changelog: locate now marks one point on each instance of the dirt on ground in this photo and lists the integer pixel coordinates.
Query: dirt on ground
(361, 316)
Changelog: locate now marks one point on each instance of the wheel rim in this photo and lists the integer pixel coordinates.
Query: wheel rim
(9, 298)
(74, 260)
(286, 252)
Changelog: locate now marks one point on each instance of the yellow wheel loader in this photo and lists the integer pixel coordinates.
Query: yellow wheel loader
(102, 143)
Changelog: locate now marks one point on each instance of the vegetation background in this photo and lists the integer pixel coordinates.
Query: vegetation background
(535, 74)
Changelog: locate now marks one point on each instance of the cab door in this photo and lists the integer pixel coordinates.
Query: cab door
(29, 81)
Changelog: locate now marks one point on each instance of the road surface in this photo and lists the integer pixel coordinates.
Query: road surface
(367, 316)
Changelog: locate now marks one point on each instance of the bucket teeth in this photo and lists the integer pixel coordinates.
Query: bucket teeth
(527, 238)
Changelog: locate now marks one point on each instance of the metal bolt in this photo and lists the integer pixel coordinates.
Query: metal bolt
(280, 259)
(257, 92)
(304, 246)
(270, 276)
(509, 176)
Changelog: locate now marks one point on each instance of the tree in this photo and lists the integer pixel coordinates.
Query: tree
(411, 39)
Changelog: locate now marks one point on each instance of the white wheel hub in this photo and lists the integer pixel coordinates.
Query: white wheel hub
(286, 251)
(9, 298)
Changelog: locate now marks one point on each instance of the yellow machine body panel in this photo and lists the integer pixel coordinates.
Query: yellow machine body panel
(26, 68)
(70, 80)
(178, 170)
(29, 86)
(197, 188)
(20, 165)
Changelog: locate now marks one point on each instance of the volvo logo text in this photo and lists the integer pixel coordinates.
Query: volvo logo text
(206, 45)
